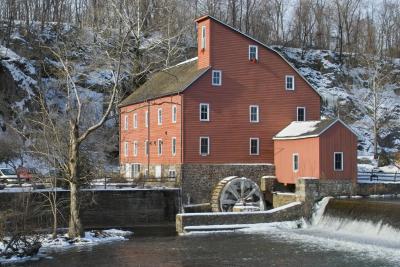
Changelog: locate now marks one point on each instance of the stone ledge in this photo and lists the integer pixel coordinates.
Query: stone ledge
(289, 212)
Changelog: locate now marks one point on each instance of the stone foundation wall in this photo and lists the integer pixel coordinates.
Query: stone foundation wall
(281, 199)
(200, 179)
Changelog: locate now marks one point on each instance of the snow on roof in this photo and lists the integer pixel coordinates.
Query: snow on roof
(304, 129)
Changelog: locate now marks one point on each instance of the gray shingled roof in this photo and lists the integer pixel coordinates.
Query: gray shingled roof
(304, 129)
(166, 82)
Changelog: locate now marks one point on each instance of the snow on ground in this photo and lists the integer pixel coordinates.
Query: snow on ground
(62, 242)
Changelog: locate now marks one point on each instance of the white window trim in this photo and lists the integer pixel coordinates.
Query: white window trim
(146, 119)
(293, 84)
(172, 146)
(135, 169)
(169, 173)
(208, 145)
(298, 162)
(135, 148)
(174, 112)
(297, 113)
(220, 78)
(146, 148)
(159, 145)
(135, 121)
(251, 46)
(126, 123)
(258, 146)
(159, 116)
(258, 113)
(208, 111)
(126, 149)
(334, 161)
(203, 37)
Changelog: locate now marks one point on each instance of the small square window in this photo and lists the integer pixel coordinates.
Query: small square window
(253, 53)
(204, 112)
(301, 113)
(204, 146)
(216, 77)
(254, 146)
(254, 113)
(338, 161)
(289, 82)
(295, 162)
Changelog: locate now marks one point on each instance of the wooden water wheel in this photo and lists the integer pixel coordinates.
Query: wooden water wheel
(236, 192)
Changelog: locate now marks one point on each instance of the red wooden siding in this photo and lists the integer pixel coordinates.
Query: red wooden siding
(309, 165)
(165, 132)
(338, 139)
(243, 84)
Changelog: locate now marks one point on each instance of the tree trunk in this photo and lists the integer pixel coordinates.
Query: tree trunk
(75, 228)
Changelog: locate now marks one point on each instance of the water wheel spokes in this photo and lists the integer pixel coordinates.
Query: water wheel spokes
(236, 192)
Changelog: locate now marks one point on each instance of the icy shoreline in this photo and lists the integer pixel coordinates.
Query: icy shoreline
(62, 242)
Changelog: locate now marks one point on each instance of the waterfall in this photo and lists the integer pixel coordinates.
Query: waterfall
(378, 220)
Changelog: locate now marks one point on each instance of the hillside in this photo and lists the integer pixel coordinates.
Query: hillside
(27, 70)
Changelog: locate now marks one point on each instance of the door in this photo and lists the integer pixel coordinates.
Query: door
(158, 171)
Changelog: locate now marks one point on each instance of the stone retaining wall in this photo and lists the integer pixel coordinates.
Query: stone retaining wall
(200, 179)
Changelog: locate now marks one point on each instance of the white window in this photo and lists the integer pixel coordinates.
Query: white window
(204, 146)
(173, 148)
(174, 113)
(216, 77)
(301, 113)
(146, 147)
(171, 173)
(203, 37)
(135, 148)
(289, 82)
(295, 162)
(204, 112)
(135, 121)
(146, 119)
(338, 161)
(254, 146)
(253, 53)
(159, 146)
(254, 113)
(126, 149)
(135, 170)
(126, 123)
(159, 112)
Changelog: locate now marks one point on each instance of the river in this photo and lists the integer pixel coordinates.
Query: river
(277, 244)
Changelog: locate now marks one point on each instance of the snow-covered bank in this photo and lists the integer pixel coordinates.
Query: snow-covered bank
(62, 242)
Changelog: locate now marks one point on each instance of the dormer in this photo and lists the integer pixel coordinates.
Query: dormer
(204, 41)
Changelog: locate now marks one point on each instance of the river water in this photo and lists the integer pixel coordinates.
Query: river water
(276, 244)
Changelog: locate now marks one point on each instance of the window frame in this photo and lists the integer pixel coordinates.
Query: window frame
(126, 122)
(135, 169)
(295, 155)
(146, 119)
(135, 148)
(334, 161)
(208, 146)
(159, 116)
(203, 37)
(159, 147)
(169, 173)
(208, 111)
(258, 146)
(297, 113)
(258, 113)
(286, 83)
(174, 113)
(256, 47)
(173, 146)
(135, 121)
(126, 149)
(220, 78)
